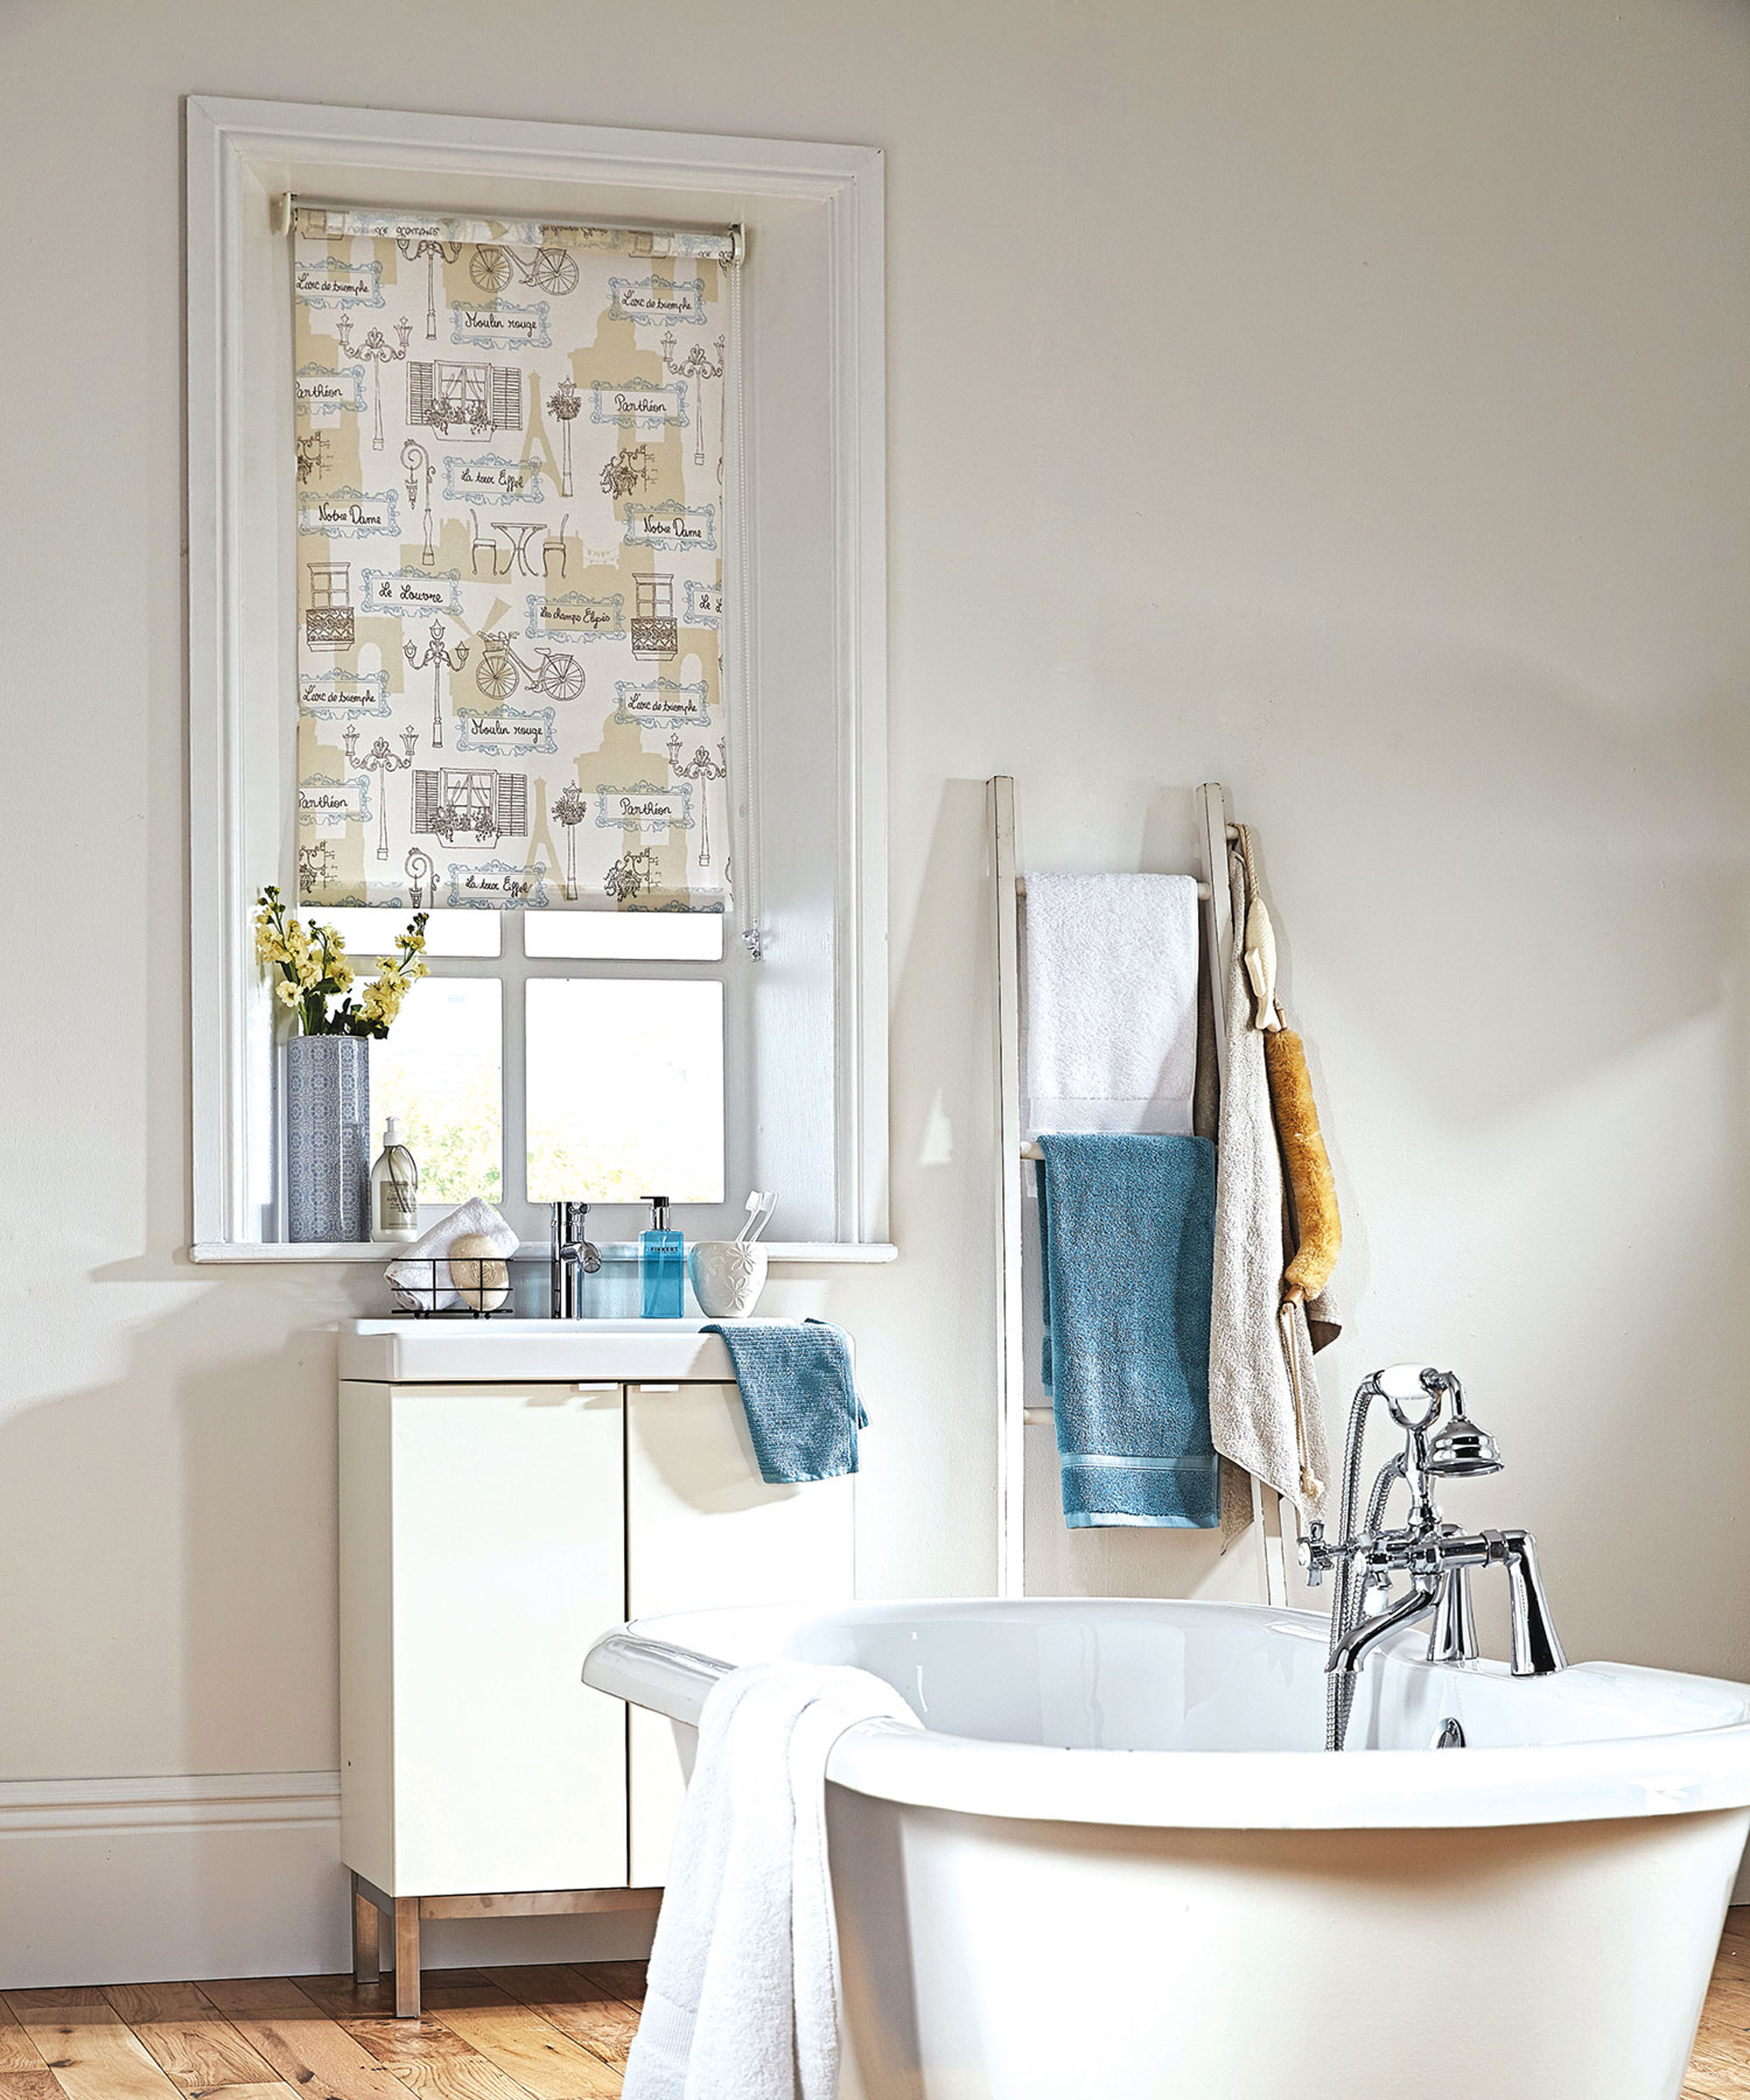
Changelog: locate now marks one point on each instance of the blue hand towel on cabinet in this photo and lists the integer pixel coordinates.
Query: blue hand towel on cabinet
(1128, 1229)
(803, 1413)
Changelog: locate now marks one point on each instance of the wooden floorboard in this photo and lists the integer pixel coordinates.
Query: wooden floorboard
(528, 2048)
(425, 2053)
(90, 2049)
(624, 1979)
(579, 2006)
(560, 2032)
(312, 2052)
(18, 2055)
(200, 2053)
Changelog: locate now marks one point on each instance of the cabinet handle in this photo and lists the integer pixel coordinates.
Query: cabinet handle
(596, 1389)
(658, 1389)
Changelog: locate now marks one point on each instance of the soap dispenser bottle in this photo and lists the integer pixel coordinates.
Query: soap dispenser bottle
(394, 1189)
(662, 1264)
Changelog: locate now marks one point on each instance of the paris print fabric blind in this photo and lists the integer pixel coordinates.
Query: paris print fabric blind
(510, 505)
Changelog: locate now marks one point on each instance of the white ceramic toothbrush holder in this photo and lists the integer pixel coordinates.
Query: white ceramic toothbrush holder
(728, 1276)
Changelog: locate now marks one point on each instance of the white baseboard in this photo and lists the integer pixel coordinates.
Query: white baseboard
(153, 1878)
(175, 1801)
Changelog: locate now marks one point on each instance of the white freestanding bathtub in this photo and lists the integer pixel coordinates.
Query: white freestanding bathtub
(1117, 1863)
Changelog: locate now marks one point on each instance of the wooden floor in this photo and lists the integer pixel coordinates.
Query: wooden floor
(553, 2033)
(557, 2033)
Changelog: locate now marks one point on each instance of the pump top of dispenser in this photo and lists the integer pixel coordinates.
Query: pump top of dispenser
(659, 1212)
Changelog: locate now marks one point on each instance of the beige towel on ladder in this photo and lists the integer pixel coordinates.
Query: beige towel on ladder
(1251, 1402)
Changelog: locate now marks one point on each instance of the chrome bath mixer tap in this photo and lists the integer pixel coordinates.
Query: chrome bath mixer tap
(1436, 1557)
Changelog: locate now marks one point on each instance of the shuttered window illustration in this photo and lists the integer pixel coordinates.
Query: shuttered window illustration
(511, 463)
(513, 805)
(427, 798)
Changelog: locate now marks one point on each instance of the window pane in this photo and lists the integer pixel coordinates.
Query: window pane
(437, 1071)
(624, 1090)
(371, 931)
(625, 936)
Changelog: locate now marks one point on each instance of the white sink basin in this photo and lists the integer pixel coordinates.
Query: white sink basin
(412, 1352)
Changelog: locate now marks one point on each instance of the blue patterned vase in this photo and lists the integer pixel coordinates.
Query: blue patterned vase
(327, 1137)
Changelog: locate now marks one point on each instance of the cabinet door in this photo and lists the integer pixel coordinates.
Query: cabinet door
(703, 1529)
(508, 1560)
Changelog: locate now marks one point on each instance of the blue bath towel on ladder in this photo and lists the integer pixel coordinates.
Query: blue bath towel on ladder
(796, 1385)
(1128, 1229)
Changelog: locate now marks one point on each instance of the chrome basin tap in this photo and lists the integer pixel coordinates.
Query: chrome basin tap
(573, 1258)
(1436, 1557)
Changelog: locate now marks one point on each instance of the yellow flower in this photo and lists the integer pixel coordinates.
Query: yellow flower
(341, 972)
(286, 993)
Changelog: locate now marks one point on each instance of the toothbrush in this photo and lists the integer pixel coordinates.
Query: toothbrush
(755, 1198)
(768, 1204)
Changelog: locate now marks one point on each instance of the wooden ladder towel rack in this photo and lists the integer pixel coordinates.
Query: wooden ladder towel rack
(1014, 1417)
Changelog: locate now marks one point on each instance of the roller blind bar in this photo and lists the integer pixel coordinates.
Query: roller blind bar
(347, 222)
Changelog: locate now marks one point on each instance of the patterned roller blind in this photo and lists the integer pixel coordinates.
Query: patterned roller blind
(510, 506)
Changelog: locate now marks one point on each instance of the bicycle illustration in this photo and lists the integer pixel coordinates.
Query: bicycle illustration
(548, 268)
(500, 670)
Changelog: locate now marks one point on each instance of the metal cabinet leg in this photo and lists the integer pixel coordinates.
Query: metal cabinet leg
(366, 1936)
(407, 1957)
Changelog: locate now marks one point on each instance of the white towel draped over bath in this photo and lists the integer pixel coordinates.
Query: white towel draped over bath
(742, 1998)
(1108, 1003)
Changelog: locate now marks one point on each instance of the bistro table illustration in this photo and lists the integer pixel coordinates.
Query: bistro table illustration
(520, 532)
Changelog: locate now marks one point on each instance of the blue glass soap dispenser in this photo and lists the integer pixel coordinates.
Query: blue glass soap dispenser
(662, 1263)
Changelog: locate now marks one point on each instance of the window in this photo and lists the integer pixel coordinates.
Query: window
(529, 1067)
(624, 1045)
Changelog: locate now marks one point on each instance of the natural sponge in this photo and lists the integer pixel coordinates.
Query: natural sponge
(1318, 1229)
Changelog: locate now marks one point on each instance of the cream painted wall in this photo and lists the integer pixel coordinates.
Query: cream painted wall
(1348, 402)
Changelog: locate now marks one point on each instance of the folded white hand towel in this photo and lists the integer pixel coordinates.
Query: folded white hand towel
(1108, 1003)
(412, 1272)
(741, 2002)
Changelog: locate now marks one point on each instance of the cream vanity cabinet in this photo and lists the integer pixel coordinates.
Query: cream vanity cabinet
(490, 1529)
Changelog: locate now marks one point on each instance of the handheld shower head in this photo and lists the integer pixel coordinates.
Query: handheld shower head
(1460, 1449)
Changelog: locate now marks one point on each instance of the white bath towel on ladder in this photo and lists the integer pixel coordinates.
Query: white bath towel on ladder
(741, 2001)
(1109, 994)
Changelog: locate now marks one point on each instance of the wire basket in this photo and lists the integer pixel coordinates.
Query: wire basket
(508, 1286)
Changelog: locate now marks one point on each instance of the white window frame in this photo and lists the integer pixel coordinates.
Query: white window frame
(813, 215)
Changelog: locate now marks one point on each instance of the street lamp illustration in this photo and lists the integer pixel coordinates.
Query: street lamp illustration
(570, 810)
(437, 660)
(417, 460)
(630, 874)
(700, 766)
(422, 874)
(380, 761)
(434, 253)
(694, 365)
(564, 402)
(377, 351)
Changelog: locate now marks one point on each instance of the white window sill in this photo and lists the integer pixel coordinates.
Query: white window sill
(786, 1252)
